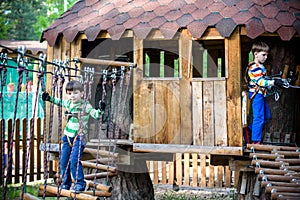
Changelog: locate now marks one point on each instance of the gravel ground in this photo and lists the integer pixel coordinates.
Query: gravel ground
(166, 192)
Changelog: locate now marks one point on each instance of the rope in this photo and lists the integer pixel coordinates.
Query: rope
(54, 85)
(3, 73)
(20, 70)
(100, 125)
(111, 124)
(27, 121)
(117, 116)
(62, 81)
(81, 130)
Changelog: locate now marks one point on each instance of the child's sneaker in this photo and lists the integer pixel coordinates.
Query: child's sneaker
(65, 187)
(256, 142)
(77, 189)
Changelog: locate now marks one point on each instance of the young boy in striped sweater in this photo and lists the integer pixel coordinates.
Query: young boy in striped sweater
(258, 85)
(73, 140)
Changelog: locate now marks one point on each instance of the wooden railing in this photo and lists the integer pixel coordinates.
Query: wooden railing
(190, 170)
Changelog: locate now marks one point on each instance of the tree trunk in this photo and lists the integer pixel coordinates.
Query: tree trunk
(132, 182)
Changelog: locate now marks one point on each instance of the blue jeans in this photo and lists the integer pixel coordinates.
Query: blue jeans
(66, 151)
(261, 115)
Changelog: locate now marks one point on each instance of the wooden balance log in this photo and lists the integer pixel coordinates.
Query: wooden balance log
(290, 161)
(277, 183)
(270, 164)
(283, 189)
(85, 195)
(292, 168)
(99, 186)
(271, 147)
(259, 170)
(278, 178)
(284, 195)
(288, 154)
(265, 156)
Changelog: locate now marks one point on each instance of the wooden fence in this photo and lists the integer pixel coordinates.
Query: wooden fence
(187, 169)
(190, 170)
(20, 147)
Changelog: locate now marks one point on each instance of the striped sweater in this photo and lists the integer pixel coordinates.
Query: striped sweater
(73, 124)
(257, 74)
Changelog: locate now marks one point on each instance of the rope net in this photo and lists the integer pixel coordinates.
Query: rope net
(110, 84)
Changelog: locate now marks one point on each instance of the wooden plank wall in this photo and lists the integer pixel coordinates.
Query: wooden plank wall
(162, 108)
(209, 113)
(158, 118)
(191, 170)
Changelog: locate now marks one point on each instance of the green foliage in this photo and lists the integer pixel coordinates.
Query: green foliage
(25, 20)
(13, 192)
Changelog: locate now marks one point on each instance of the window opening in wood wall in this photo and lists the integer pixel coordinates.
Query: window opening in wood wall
(208, 59)
(161, 59)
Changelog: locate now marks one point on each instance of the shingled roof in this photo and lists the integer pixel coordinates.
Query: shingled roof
(116, 16)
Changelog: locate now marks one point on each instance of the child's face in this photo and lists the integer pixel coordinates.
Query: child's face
(75, 95)
(261, 56)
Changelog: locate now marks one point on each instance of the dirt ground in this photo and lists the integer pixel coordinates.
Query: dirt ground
(167, 192)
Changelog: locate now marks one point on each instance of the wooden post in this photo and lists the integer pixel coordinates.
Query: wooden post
(285, 72)
(297, 83)
(233, 91)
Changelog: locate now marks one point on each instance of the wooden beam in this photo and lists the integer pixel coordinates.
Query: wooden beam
(283, 189)
(275, 183)
(181, 148)
(271, 147)
(99, 175)
(186, 130)
(265, 156)
(271, 164)
(290, 161)
(106, 62)
(270, 171)
(67, 193)
(99, 186)
(98, 166)
(100, 152)
(233, 89)
(278, 178)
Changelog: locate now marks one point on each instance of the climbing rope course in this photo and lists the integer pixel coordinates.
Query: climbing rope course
(59, 70)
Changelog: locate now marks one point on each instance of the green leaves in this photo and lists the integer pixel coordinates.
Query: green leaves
(26, 20)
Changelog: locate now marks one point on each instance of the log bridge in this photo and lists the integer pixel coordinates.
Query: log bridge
(273, 173)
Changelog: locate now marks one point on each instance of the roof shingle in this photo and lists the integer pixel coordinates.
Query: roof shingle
(115, 16)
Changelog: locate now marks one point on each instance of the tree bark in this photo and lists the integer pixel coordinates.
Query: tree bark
(132, 182)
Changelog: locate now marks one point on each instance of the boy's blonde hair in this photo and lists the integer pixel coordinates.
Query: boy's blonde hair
(260, 46)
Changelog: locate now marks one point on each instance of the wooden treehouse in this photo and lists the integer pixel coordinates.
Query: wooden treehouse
(188, 57)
